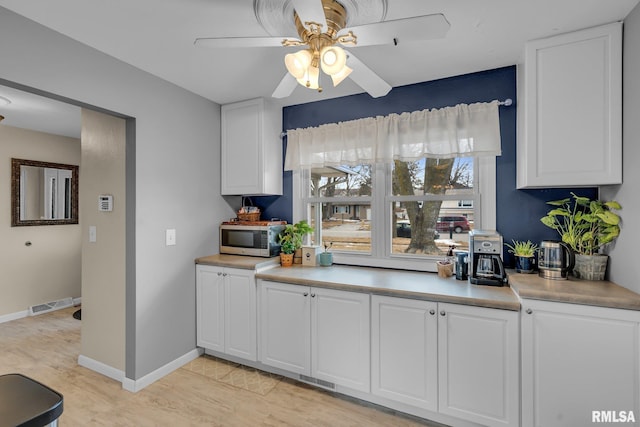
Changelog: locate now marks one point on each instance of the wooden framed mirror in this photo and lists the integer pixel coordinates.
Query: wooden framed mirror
(43, 193)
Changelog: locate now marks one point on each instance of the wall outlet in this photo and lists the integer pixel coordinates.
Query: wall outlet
(171, 237)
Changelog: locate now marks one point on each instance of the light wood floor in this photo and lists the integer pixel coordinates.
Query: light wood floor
(46, 348)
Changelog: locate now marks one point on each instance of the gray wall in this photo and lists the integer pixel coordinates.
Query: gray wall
(177, 146)
(624, 267)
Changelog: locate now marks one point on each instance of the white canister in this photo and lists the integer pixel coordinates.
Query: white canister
(310, 255)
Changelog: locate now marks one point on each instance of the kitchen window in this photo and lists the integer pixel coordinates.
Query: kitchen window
(388, 210)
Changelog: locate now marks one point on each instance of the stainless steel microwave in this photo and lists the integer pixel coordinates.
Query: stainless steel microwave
(252, 240)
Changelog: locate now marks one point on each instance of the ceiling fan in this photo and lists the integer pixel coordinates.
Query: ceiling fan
(323, 25)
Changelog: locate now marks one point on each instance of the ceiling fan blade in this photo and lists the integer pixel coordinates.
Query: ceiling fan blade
(365, 78)
(310, 11)
(286, 87)
(425, 27)
(234, 42)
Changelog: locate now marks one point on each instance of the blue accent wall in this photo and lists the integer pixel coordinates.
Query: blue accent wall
(518, 211)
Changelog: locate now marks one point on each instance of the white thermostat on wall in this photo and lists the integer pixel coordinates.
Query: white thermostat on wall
(105, 203)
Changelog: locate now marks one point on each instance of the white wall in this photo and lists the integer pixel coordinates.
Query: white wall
(49, 269)
(177, 182)
(624, 268)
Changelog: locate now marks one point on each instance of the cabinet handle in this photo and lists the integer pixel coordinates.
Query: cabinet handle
(529, 311)
(225, 274)
(313, 295)
(306, 294)
(432, 312)
(442, 313)
(219, 273)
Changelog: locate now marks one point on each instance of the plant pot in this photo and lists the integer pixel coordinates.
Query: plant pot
(286, 260)
(326, 259)
(525, 264)
(590, 267)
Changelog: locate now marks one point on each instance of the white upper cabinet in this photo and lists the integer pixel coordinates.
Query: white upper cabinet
(570, 110)
(251, 153)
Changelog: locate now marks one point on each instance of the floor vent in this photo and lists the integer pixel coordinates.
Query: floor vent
(50, 306)
(321, 383)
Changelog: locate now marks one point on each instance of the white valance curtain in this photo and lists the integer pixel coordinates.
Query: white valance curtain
(463, 130)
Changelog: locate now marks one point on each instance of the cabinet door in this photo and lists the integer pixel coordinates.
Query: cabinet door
(575, 360)
(285, 326)
(240, 313)
(241, 165)
(478, 364)
(340, 351)
(404, 352)
(251, 148)
(571, 132)
(210, 307)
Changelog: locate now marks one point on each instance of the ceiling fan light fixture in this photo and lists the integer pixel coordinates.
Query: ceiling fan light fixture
(332, 59)
(338, 77)
(298, 63)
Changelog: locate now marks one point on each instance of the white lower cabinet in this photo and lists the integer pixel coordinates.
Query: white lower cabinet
(478, 364)
(317, 332)
(458, 360)
(226, 311)
(580, 364)
(404, 351)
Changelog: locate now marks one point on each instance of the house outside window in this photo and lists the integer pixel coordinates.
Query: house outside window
(373, 218)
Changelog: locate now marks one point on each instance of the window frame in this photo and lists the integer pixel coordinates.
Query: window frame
(380, 256)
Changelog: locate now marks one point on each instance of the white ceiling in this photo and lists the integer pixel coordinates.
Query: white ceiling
(157, 36)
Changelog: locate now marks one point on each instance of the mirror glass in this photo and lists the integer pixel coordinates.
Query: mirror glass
(43, 193)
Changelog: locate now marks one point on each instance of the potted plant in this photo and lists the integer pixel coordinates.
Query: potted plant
(525, 254)
(326, 257)
(586, 226)
(291, 239)
(300, 229)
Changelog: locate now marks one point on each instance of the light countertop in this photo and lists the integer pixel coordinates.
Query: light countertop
(239, 261)
(399, 283)
(571, 290)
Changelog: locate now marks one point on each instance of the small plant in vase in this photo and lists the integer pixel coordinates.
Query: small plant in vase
(525, 254)
(326, 257)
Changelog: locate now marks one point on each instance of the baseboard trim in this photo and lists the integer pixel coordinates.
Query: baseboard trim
(14, 316)
(101, 368)
(135, 386)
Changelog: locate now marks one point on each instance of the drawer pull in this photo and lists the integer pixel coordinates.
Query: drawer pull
(442, 313)
(432, 312)
(529, 311)
(306, 294)
(313, 295)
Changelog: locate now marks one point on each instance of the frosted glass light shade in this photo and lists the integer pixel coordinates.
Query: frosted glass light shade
(332, 59)
(297, 63)
(311, 78)
(338, 77)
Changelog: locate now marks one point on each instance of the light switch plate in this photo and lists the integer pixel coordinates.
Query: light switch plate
(171, 237)
(92, 234)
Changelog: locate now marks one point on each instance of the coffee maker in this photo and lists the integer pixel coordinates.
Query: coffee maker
(485, 259)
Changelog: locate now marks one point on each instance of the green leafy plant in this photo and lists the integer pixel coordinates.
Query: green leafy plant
(292, 237)
(522, 248)
(585, 225)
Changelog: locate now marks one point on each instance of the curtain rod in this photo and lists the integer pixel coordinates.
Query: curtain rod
(507, 103)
